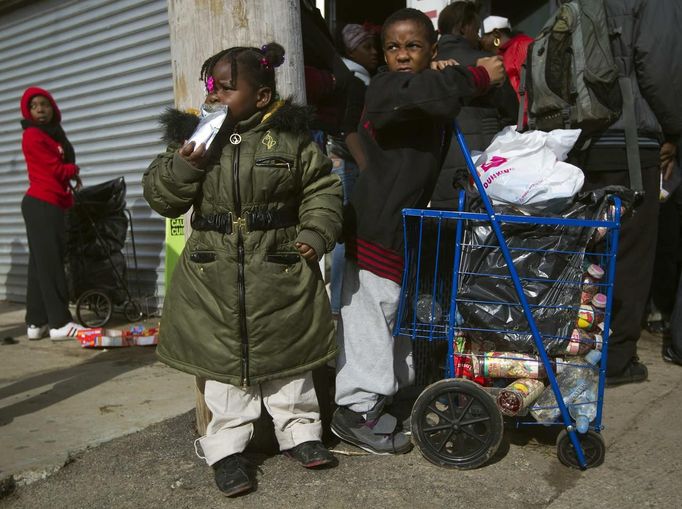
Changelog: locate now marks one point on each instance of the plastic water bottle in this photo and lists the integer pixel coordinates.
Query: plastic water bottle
(573, 381)
(584, 409)
(428, 311)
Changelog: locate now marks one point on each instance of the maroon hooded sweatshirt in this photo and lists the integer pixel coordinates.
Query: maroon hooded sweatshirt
(48, 171)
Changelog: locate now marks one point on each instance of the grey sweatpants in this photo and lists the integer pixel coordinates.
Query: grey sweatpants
(372, 363)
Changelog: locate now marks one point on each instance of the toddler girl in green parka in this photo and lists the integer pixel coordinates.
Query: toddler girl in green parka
(247, 307)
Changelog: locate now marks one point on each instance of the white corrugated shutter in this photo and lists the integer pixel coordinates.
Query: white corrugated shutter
(108, 65)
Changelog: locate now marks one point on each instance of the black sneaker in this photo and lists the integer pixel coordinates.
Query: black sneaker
(375, 433)
(670, 355)
(634, 372)
(312, 454)
(232, 476)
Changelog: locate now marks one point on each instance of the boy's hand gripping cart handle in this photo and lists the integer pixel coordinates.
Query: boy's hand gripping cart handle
(526, 308)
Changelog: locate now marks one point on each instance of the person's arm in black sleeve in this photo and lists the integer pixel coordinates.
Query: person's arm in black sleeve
(657, 50)
(505, 100)
(394, 97)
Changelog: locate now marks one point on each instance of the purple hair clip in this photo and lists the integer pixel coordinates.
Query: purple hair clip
(210, 85)
(264, 62)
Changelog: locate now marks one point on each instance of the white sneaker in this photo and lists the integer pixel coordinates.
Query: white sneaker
(36, 332)
(66, 332)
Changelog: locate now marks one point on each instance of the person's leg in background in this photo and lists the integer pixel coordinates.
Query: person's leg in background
(348, 172)
(665, 272)
(672, 339)
(46, 234)
(634, 267)
(36, 315)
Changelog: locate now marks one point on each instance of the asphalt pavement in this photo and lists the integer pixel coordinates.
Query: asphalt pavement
(83, 429)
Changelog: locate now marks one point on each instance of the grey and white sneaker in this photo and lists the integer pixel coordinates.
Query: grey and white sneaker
(374, 432)
(37, 332)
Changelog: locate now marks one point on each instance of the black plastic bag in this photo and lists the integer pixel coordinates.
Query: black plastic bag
(549, 257)
(97, 226)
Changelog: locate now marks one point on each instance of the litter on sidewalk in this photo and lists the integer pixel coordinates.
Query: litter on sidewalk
(136, 335)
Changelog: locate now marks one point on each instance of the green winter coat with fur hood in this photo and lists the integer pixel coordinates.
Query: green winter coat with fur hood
(244, 307)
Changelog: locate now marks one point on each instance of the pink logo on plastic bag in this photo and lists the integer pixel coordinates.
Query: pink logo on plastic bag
(494, 162)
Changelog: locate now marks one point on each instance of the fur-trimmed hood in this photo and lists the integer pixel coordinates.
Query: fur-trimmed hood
(178, 125)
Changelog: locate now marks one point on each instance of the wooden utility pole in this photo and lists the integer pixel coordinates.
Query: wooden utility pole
(201, 28)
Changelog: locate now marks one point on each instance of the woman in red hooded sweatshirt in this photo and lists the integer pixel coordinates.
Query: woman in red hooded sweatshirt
(50, 161)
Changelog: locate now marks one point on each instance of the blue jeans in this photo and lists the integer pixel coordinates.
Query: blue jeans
(348, 172)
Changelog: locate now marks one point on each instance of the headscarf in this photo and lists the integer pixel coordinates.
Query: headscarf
(354, 35)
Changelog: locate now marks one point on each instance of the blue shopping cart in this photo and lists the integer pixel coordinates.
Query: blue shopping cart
(501, 280)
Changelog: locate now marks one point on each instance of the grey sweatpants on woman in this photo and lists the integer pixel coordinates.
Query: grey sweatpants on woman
(372, 363)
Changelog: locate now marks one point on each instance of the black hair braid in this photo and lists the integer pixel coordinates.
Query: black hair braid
(257, 64)
(207, 66)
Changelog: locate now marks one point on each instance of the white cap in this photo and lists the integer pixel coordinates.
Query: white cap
(492, 22)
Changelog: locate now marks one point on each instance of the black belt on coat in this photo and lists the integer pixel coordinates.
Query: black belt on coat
(252, 220)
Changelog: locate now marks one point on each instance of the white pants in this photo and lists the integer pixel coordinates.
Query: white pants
(291, 402)
(372, 363)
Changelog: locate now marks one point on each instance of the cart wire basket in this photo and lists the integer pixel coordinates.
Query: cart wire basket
(505, 290)
(97, 254)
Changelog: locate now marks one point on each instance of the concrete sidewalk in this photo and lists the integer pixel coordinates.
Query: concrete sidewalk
(57, 399)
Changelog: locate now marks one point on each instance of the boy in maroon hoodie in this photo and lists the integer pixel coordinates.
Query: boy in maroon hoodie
(50, 161)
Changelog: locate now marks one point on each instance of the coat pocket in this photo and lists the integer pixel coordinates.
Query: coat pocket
(283, 258)
(284, 262)
(274, 177)
(202, 256)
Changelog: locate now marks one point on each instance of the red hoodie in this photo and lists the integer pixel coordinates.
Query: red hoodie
(48, 174)
(513, 54)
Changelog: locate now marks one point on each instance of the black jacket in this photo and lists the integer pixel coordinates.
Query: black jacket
(480, 120)
(405, 131)
(650, 47)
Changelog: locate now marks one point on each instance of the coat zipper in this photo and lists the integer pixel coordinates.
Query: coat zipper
(241, 289)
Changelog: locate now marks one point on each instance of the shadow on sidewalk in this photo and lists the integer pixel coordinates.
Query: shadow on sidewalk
(72, 381)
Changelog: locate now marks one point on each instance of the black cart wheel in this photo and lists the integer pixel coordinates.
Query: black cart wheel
(132, 311)
(456, 424)
(94, 308)
(592, 444)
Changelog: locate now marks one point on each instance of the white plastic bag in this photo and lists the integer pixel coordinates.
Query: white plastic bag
(525, 168)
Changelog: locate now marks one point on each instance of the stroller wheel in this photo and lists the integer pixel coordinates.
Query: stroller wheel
(456, 424)
(132, 311)
(94, 308)
(592, 444)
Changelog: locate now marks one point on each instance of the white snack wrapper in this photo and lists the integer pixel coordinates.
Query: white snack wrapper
(209, 125)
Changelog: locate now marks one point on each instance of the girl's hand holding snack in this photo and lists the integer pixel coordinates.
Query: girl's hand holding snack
(307, 252)
(194, 155)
